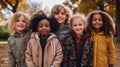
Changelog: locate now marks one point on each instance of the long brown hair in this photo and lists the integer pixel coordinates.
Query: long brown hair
(108, 24)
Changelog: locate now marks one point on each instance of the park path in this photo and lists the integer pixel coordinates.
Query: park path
(4, 55)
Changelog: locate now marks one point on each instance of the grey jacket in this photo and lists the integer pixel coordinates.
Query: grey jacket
(17, 45)
(62, 33)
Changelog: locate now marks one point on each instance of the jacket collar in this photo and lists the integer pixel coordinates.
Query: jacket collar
(99, 33)
(83, 36)
(51, 35)
(20, 34)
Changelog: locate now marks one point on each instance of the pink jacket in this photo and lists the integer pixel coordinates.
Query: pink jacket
(52, 55)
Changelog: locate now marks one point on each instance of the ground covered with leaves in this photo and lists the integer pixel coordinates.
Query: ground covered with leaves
(4, 55)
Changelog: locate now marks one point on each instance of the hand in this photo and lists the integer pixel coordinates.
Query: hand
(12, 34)
(32, 35)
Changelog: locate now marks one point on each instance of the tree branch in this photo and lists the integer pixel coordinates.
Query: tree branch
(9, 3)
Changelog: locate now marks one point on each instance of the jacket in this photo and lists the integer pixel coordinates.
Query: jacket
(104, 50)
(62, 32)
(70, 53)
(17, 46)
(52, 54)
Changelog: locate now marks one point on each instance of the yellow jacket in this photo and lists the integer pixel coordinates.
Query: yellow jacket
(104, 50)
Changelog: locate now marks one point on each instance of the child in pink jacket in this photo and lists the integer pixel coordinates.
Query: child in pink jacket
(44, 50)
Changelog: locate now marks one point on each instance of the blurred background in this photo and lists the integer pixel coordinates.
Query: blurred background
(9, 7)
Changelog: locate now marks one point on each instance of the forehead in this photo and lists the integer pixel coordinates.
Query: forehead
(97, 15)
(77, 21)
(20, 17)
(44, 21)
(60, 10)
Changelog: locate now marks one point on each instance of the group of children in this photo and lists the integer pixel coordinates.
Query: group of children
(58, 42)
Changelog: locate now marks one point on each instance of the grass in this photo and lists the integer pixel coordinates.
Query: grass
(2, 43)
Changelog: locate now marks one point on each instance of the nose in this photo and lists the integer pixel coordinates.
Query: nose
(20, 21)
(97, 20)
(43, 27)
(60, 15)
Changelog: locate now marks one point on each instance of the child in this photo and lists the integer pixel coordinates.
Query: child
(44, 50)
(62, 15)
(77, 46)
(102, 29)
(17, 43)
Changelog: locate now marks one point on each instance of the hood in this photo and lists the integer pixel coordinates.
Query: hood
(99, 33)
(83, 36)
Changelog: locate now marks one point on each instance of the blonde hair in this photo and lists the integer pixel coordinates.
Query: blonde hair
(82, 17)
(14, 18)
(56, 9)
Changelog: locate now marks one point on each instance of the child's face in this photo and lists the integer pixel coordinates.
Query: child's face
(97, 22)
(44, 27)
(78, 26)
(61, 16)
(20, 25)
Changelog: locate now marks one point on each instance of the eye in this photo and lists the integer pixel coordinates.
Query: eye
(17, 20)
(100, 19)
(63, 13)
(47, 25)
(80, 24)
(74, 25)
(94, 20)
(56, 13)
(40, 26)
(23, 21)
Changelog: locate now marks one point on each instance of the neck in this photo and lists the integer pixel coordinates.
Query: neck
(97, 30)
(43, 37)
(61, 25)
(20, 32)
(78, 35)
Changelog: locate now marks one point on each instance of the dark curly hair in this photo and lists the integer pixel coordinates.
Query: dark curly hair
(40, 16)
(35, 20)
(54, 25)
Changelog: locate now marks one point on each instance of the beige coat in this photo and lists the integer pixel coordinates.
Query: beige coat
(104, 50)
(52, 55)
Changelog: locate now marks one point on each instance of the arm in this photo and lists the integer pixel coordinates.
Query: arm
(111, 52)
(12, 34)
(58, 56)
(28, 54)
(12, 62)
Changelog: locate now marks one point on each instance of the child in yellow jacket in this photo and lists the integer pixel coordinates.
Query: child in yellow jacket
(102, 28)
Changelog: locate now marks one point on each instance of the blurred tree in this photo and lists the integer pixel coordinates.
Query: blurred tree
(86, 6)
(13, 5)
(34, 7)
(118, 19)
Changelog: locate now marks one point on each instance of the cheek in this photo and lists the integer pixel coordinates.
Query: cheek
(56, 16)
(73, 28)
(38, 29)
(92, 23)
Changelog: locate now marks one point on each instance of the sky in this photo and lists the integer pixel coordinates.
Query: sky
(48, 3)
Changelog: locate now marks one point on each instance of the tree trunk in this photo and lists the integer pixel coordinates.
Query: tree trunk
(118, 19)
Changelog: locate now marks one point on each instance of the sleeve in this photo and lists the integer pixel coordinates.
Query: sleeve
(12, 62)
(28, 55)
(59, 55)
(111, 51)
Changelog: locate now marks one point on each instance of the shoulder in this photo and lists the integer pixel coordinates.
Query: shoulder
(11, 39)
(28, 32)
